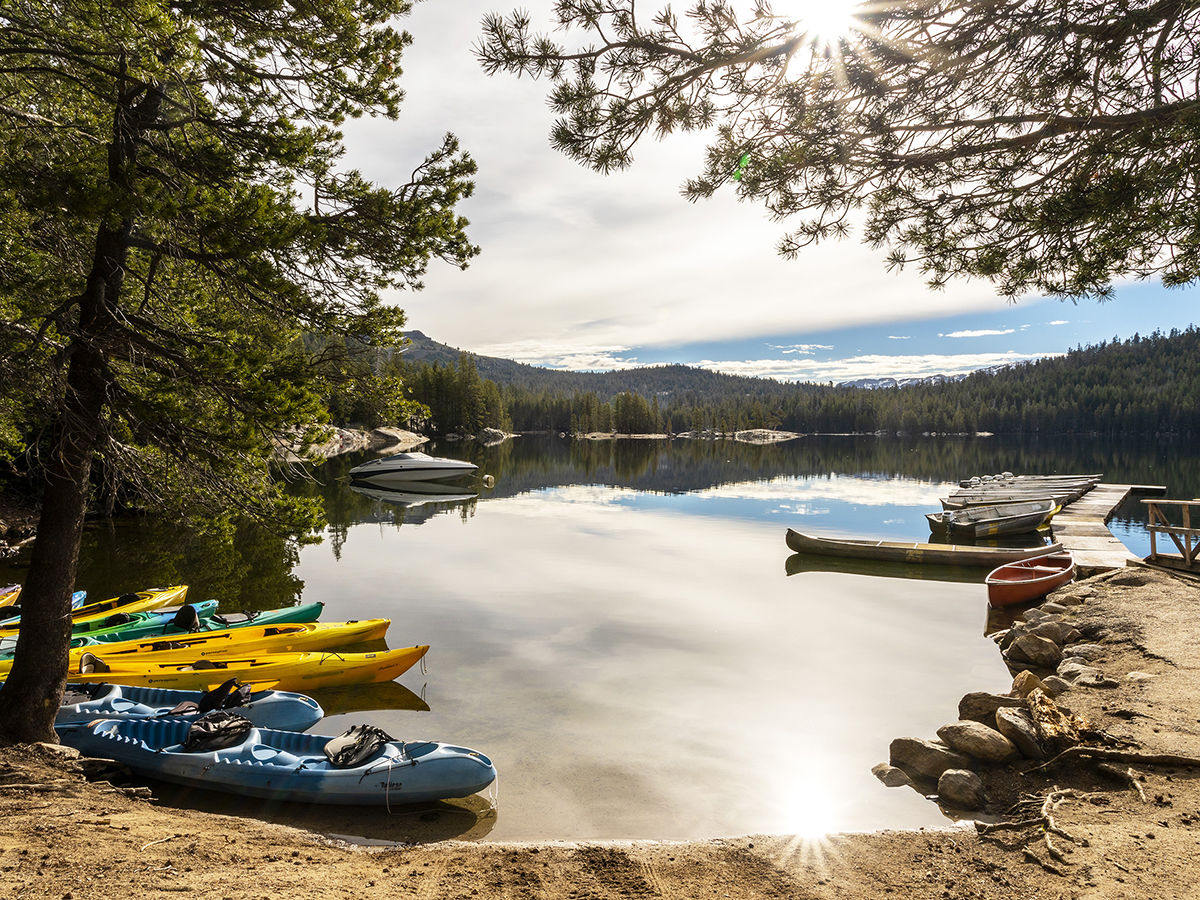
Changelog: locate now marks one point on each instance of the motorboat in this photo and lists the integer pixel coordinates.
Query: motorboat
(412, 465)
(415, 493)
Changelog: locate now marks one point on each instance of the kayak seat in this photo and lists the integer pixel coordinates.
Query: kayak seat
(90, 664)
(264, 754)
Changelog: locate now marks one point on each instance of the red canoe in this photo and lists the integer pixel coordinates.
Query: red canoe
(1029, 579)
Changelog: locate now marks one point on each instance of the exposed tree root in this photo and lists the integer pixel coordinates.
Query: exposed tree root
(1046, 824)
(1104, 754)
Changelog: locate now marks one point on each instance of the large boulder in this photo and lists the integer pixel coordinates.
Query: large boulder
(489, 436)
(977, 740)
(1007, 637)
(924, 759)
(1059, 632)
(1036, 651)
(961, 788)
(1017, 726)
(980, 706)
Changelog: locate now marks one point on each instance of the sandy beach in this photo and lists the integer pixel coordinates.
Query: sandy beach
(1128, 826)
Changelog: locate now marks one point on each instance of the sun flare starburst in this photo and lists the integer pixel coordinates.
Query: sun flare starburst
(825, 22)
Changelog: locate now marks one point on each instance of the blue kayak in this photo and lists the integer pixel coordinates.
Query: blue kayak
(287, 765)
(270, 709)
(9, 621)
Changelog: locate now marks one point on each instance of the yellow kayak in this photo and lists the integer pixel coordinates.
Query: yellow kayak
(153, 598)
(226, 642)
(279, 671)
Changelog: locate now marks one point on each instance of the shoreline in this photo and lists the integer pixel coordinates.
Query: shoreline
(1118, 830)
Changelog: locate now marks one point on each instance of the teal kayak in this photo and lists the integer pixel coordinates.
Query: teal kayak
(155, 624)
(149, 620)
(164, 623)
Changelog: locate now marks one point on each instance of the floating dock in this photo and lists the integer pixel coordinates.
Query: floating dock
(1081, 528)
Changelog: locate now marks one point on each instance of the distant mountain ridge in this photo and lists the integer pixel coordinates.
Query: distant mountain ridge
(1144, 385)
(646, 380)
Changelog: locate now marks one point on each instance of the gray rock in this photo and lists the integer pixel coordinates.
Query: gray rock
(1054, 608)
(1072, 671)
(1037, 651)
(1084, 651)
(1055, 685)
(1140, 676)
(1033, 616)
(489, 436)
(1018, 629)
(924, 759)
(1017, 726)
(1064, 598)
(961, 788)
(1051, 630)
(1072, 635)
(1095, 680)
(980, 706)
(890, 775)
(999, 636)
(977, 740)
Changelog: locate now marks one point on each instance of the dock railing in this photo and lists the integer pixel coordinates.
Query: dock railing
(1182, 534)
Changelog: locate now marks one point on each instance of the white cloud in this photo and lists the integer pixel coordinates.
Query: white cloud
(1059, 322)
(874, 365)
(576, 260)
(980, 332)
(805, 349)
(899, 337)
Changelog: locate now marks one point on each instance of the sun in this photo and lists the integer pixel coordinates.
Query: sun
(825, 21)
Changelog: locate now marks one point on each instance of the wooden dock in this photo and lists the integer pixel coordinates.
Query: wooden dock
(1081, 528)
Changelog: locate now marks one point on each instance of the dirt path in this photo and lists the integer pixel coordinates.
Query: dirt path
(65, 837)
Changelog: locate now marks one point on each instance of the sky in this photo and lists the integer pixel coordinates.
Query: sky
(586, 271)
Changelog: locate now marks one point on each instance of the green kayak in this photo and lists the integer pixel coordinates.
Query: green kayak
(156, 624)
(161, 624)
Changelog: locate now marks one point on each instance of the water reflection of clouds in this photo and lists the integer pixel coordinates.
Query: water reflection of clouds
(658, 675)
(839, 488)
(799, 495)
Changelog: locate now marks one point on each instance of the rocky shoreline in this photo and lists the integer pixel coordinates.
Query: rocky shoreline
(1109, 813)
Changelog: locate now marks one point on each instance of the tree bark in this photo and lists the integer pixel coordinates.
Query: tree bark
(33, 690)
(32, 693)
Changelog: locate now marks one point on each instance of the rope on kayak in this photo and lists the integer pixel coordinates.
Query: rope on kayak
(424, 668)
(493, 796)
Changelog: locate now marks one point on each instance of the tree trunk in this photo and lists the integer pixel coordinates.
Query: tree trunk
(32, 693)
(33, 690)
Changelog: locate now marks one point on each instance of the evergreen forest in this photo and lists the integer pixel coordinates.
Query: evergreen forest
(1142, 385)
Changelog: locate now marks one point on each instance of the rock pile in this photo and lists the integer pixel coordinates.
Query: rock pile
(1049, 657)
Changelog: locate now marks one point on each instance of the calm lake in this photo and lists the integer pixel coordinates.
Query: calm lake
(619, 626)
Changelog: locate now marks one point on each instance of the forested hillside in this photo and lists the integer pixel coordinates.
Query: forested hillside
(1146, 385)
